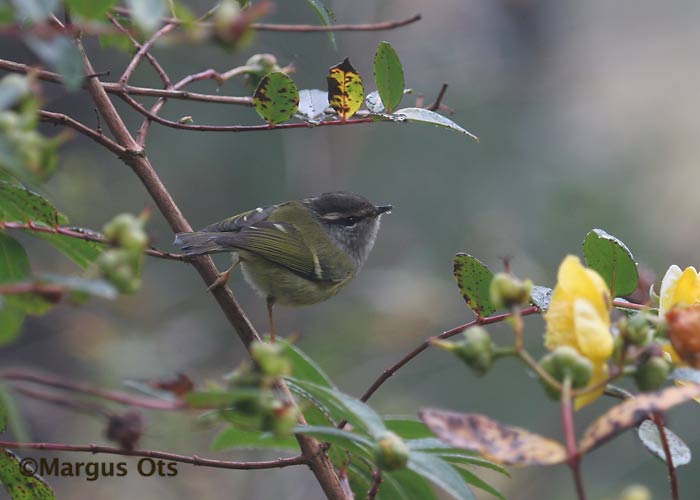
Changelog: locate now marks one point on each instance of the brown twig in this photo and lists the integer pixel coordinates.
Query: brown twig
(86, 235)
(573, 459)
(56, 400)
(312, 452)
(117, 88)
(67, 121)
(386, 374)
(142, 51)
(110, 395)
(438, 100)
(672, 477)
(377, 480)
(162, 455)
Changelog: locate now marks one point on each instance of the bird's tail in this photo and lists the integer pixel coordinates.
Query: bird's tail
(199, 243)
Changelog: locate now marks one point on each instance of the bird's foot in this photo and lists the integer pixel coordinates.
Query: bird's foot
(222, 280)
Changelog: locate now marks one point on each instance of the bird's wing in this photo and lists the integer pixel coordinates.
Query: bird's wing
(240, 221)
(277, 242)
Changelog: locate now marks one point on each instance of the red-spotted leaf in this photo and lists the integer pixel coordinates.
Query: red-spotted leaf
(474, 279)
(276, 99)
(493, 440)
(345, 90)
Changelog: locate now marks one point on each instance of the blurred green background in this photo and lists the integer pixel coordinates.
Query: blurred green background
(587, 114)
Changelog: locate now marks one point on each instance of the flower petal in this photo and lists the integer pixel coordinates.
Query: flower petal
(592, 332)
(584, 283)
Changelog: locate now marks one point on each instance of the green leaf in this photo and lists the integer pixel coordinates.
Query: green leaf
(276, 99)
(14, 267)
(407, 427)
(612, 260)
(345, 90)
(34, 10)
(19, 486)
(339, 406)
(82, 252)
(474, 480)
(426, 444)
(14, 261)
(464, 457)
(421, 115)
(441, 474)
(474, 280)
(11, 319)
(12, 420)
(303, 367)
(233, 437)
(326, 17)
(215, 398)
(404, 484)
(147, 14)
(18, 204)
(312, 105)
(388, 74)
(92, 9)
(541, 296)
(649, 436)
(353, 442)
(61, 55)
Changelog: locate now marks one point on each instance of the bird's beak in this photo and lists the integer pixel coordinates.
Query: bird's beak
(383, 209)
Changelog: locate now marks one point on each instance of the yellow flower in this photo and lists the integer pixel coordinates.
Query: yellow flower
(579, 317)
(679, 288)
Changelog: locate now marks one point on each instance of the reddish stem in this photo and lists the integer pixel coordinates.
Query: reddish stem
(573, 459)
(672, 477)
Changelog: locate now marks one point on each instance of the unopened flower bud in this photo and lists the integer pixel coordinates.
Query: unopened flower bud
(507, 291)
(474, 348)
(652, 373)
(566, 362)
(637, 329)
(392, 452)
(118, 266)
(280, 419)
(270, 359)
(684, 333)
(126, 231)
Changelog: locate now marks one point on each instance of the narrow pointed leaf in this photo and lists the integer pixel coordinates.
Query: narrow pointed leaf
(633, 411)
(649, 436)
(404, 484)
(441, 474)
(421, 115)
(611, 258)
(276, 99)
(353, 442)
(92, 9)
(345, 90)
(474, 280)
(303, 367)
(244, 439)
(502, 444)
(325, 16)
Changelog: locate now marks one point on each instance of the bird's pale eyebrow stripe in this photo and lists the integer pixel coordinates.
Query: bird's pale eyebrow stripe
(258, 209)
(332, 216)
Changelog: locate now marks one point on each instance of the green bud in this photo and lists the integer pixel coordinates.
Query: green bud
(126, 231)
(652, 373)
(280, 419)
(474, 348)
(637, 329)
(391, 452)
(563, 362)
(507, 291)
(270, 359)
(119, 267)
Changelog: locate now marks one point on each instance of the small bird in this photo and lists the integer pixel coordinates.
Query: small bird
(295, 253)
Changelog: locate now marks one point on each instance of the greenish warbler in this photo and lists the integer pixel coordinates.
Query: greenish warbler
(295, 253)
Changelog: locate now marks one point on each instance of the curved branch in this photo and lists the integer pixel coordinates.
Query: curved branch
(162, 455)
(313, 28)
(386, 374)
(143, 52)
(235, 128)
(84, 234)
(67, 121)
(115, 396)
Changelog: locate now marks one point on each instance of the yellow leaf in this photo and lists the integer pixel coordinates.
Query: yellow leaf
(345, 90)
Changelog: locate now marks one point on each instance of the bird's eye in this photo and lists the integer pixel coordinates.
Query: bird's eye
(349, 221)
